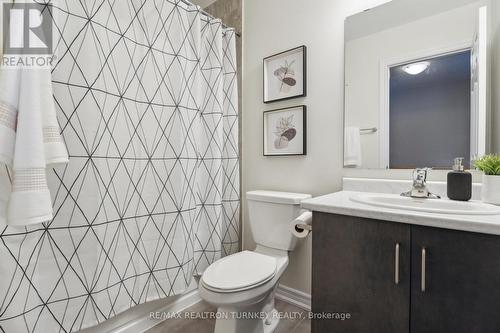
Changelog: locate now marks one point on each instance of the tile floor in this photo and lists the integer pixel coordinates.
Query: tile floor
(286, 325)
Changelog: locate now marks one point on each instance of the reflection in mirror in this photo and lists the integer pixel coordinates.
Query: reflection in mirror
(429, 112)
(416, 84)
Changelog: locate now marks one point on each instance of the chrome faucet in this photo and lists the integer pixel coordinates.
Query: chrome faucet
(419, 189)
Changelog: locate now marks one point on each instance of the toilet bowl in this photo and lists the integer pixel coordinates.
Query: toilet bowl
(242, 286)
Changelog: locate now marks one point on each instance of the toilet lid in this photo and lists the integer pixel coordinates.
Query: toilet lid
(240, 271)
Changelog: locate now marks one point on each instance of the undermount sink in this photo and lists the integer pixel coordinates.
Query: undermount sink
(438, 206)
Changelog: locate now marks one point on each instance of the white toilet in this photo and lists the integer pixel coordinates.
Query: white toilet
(242, 285)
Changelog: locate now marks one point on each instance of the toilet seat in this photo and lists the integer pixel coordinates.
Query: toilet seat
(240, 271)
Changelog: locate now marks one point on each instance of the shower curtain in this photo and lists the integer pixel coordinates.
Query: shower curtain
(146, 95)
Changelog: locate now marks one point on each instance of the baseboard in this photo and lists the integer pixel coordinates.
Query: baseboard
(284, 293)
(294, 296)
(146, 322)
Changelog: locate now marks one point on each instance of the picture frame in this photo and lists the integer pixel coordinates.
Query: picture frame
(285, 75)
(285, 131)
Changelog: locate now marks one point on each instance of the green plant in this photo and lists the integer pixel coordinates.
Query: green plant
(489, 164)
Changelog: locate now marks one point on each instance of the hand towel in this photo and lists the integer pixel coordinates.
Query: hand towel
(34, 142)
(9, 98)
(5, 189)
(352, 147)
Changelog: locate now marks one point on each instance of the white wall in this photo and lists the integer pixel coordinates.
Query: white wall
(271, 27)
(495, 79)
(364, 57)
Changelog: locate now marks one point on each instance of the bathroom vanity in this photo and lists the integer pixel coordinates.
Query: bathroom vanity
(394, 264)
(404, 270)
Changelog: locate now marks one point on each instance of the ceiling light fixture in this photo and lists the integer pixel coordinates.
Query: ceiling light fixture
(416, 68)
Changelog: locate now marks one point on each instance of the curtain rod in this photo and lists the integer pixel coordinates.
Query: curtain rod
(210, 16)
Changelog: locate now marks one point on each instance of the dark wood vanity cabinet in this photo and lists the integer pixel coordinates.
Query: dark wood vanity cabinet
(353, 272)
(395, 277)
(462, 281)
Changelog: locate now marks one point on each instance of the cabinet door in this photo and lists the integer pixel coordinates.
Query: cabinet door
(354, 271)
(461, 289)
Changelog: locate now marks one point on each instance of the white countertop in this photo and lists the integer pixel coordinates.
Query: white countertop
(340, 203)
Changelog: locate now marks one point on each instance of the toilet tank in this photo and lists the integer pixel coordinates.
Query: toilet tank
(270, 214)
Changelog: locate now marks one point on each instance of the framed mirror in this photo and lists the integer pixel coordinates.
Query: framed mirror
(417, 87)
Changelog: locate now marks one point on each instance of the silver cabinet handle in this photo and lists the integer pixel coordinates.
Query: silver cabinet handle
(422, 284)
(396, 265)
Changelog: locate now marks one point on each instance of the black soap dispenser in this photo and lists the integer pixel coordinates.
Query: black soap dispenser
(459, 182)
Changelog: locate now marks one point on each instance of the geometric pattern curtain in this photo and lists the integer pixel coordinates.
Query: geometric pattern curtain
(146, 95)
(218, 174)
